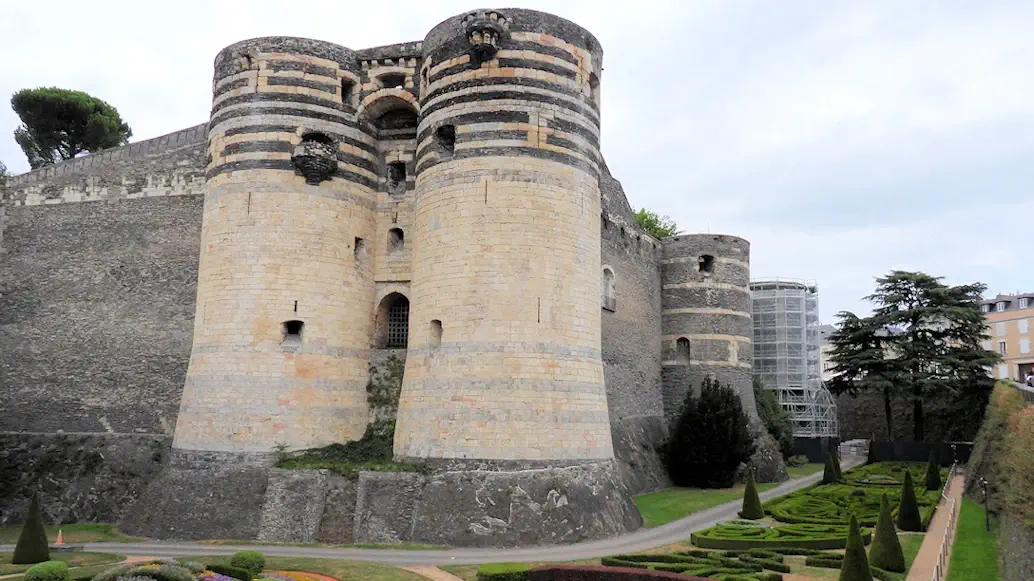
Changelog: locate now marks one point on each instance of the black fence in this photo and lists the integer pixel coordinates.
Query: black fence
(816, 449)
(909, 451)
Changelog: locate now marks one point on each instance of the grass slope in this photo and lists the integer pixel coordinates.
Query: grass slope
(78, 559)
(336, 568)
(806, 470)
(77, 533)
(975, 554)
(671, 504)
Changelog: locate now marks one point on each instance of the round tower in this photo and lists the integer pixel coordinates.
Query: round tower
(504, 353)
(706, 317)
(284, 291)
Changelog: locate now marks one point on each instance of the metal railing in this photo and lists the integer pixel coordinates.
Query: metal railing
(941, 568)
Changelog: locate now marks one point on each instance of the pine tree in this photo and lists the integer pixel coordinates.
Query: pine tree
(32, 544)
(829, 474)
(908, 508)
(885, 551)
(751, 501)
(855, 566)
(933, 472)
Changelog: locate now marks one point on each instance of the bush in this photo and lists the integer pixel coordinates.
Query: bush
(797, 461)
(252, 561)
(908, 509)
(711, 439)
(593, 573)
(776, 420)
(504, 572)
(32, 544)
(230, 571)
(113, 573)
(1018, 466)
(751, 501)
(829, 473)
(164, 572)
(48, 571)
(836, 465)
(885, 551)
(933, 472)
(855, 566)
(802, 536)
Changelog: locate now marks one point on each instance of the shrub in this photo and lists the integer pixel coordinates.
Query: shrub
(836, 465)
(885, 551)
(48, 571)
(593, 573)
(504, 572)
(933, 472)
(829, 473)
(252, 561)
(711, 439)
(908, 509)
(855, 566)
(194, 567)
(1018, 466)
(230, 571)
(113, 573)
(797, 461)
(32, 544)
(804, 536)
(775, 418)
(751, 501)
(165, 572)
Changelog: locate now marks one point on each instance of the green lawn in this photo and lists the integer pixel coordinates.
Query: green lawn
(77, 533)
(336, 568)
(806, 470)
(910, 543)
(671, 504)
(77, 559)
(975, 554)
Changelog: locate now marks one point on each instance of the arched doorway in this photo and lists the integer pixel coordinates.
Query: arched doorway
(393, 322)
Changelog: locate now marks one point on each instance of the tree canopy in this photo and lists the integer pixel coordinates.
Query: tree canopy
(656, 226)
(923, 338)
(776, 419)
(60, 124)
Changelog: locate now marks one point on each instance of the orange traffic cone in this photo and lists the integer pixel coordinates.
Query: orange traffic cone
(60, 538)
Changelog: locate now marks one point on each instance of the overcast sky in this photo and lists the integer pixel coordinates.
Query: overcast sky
(842, 138)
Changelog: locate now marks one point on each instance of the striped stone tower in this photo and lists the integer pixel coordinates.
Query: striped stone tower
(284, 296)
(504, 359)
(705, 321)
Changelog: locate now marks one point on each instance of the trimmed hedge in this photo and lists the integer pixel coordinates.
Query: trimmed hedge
(504, 572)
(252, 561)
(48, 571)
(886, 552)
(32, 546)
(801, 536)
(230, 571)
(908, 509)
(751, 501)
(593, 573)
(752, 565)
(855, 566)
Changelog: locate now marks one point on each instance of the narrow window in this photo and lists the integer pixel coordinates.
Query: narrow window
(608, 297)
(706, 263)
(1024, 302)
(1000, 307)
(985, 308)
(594, 88)
(346, 90)
(292, 331)
(397, 177)
(1001, 348)
(682, 350)
(424, 74)
(396, 240)
(360, 249)
(446, 136)
(393, 80)
(435, 338)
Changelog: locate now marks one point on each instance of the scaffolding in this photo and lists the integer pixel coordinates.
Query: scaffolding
(786, 353)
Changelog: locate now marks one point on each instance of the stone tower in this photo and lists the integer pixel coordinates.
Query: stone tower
(504, 355)
(284, 296)
(706, 322)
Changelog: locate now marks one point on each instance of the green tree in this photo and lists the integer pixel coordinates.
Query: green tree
(933, 472)
(711, 439)
(834, 457)
(908, 509)
(885, 551)
(656, 226)
(936, 347)
(776, 419)
(32, 544)
(751, 501)
(855, 566)
(829, 472)
(60, 124)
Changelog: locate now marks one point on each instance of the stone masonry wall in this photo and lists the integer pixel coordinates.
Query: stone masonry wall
(97, 272)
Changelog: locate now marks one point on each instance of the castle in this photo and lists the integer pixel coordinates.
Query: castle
(444, 200)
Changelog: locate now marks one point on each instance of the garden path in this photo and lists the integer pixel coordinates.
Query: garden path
(433, 573)
(926, 560)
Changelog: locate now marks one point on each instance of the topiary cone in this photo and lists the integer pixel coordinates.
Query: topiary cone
(32, 542)
(885, 551)
(855, 566)
(829, 473)
(836, 465)
(751, 501)
(908, 508)
(933, 472)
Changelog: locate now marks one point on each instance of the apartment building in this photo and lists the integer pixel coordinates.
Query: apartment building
(1010, 324)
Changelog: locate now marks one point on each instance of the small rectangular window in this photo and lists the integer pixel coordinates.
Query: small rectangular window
(359, 250)
(985, 308)
(1000, 329)
(1023, 325)
(1001, 348)
(1025, 346)
(1000, 307)
(1024, 302)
